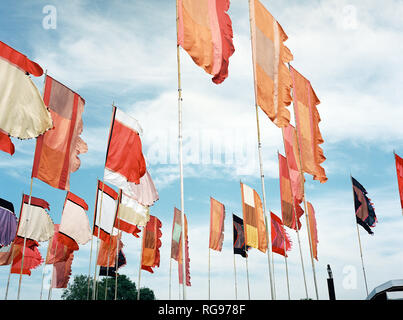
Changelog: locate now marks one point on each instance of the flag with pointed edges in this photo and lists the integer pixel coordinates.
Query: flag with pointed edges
(364, 209)
(307, 120)
(23, 112)
(205, 32)
(151, 244)
(253, 218)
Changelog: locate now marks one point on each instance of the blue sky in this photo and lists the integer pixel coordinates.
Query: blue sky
(110, 51)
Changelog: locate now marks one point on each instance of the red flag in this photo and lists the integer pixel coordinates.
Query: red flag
(217, 216)
(56, 152)
(151, 244)
(205, 32)
(280, 240)
(5, 143)
(125, 162)
(399, 172)
(187, 259)
(32, 256)
(288, 202)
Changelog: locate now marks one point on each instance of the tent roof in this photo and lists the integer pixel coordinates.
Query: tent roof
(380, 291)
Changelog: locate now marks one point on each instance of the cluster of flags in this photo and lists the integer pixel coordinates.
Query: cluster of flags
(54, 119)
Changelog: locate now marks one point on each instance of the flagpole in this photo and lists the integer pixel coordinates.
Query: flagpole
(51, 280)
(180, 149)
(247, 274)
(25, 238)
(286, 269)
(268, 234)
(233, 253)
(43, 277)
(118, 247)
(209, 273)
(107, 266)
(170, 272)
(359, 242)
(141, 262)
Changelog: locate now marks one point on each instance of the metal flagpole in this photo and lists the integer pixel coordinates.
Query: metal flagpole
(268, 234)
(233, 253)
(118, 247)
(359, 242)
(43, 277)
(247, 274)
(286, 269)
(25, 238)
(180, 151)
(306, 214)
(141, 262)
(53, 269)
(170, 273)
(107, 267)
(209, 294)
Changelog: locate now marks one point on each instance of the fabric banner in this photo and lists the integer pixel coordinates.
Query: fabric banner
(205, 32)
(6, 254)
(35, 222)
(281, 242)
(32, 256)
(151, 245)
(187, 259)
(399, 172)
(125, 162)
(270, 55)
(364, 209)
(176, 234)
(145, 192)
(6, 144)
(56, 152)
(313, 229)
(8, 222)
(74, 226)
(62, 272)
(111, 271)
(130, 215)
(107, 251)
(217, 216)
(27, 116)
(289, 205)
(253, 217)
(238, 236)
(307, 119)
(105, 211)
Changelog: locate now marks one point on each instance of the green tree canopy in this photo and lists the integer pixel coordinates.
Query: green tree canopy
(82, 286)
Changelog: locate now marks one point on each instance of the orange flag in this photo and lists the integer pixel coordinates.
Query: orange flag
(107, 251)
(288, 202)
(253, 218)
(151, 244)
(313, 229)
(56, 152)
(270, 55)
(307, 119)
(217, 216)
(205, 32)
(187, 259)
(399, 172)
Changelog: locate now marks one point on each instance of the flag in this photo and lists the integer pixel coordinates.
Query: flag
(6, 144)
(253, 217)
(74, 227)
(56, 152)
(130, 215)
(32, 256)
(217, 216)
(144, 192)
(125, 163)
(151, 244)
(62, 272)
(205, 32)
(313, 230)
(6, 254)
(187, 259)
(272, 77)
(364, 209)
(281, 242)
(57, 250)
(307, 119)
(239, 236)
(399, 172)
(289, 204)
(35, 222)
(105, 211)
(8, 222)
(111, 271)
(23, 113)
(176, 234)
(107, 251)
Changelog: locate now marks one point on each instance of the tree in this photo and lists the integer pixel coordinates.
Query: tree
(127, 290)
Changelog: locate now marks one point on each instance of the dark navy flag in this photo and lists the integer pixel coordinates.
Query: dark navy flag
(364, 208)
(8, 222)
(111, 271)
(239, 236)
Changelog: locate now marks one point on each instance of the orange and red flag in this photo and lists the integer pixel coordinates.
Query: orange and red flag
(313, 230)
(399, 172)
(151, 244)
(217, 216)
(280, 241)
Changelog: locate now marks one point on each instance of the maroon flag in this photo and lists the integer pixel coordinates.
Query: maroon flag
(399, 172)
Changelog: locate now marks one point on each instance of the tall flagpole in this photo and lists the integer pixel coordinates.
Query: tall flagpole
(118, 247)
(141, 262)
(180, 150)
(209, 289)
(359, 242)
(247, 274)
(233, 253)
(170, 273)
(268, 234)
(305, 208)
(286, 268)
